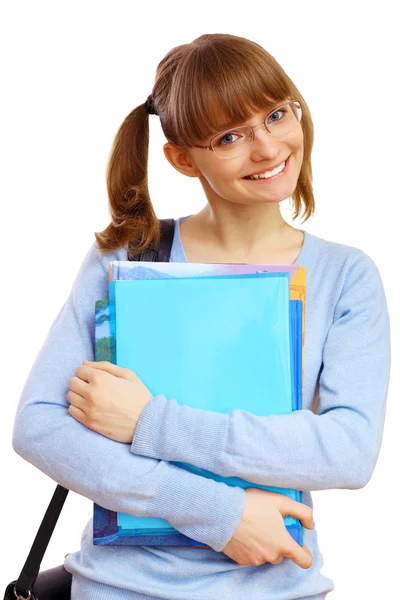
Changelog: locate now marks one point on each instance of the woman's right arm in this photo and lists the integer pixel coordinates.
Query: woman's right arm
(93, 465)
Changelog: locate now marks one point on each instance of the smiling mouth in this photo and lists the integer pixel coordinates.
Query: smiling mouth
(271, 177)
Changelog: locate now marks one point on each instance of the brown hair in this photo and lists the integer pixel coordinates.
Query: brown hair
(201, 88)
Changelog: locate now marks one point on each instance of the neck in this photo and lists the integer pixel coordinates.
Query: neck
(246, 230)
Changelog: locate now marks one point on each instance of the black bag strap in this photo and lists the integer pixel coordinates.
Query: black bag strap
(31, 568)
(162, 254)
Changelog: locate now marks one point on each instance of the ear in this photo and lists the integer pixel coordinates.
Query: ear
(180, 160)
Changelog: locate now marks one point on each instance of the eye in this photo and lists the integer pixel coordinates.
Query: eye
(222, 139)
(282, 110)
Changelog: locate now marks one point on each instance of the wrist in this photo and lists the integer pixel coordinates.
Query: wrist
(138, 412)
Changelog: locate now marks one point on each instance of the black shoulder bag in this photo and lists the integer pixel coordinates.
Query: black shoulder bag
(55, 584)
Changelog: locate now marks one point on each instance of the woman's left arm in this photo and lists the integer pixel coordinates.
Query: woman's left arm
(337, 448)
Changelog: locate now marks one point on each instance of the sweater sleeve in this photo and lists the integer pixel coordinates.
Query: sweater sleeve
(337, 448)
(92, 465)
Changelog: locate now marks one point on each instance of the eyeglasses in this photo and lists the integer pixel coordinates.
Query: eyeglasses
(279, 123)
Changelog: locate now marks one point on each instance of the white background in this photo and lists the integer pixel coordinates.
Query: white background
(71, 72)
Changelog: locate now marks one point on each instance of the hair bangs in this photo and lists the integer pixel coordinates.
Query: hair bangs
(217, 88)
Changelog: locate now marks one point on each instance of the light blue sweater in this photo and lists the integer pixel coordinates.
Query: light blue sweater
(333, 442)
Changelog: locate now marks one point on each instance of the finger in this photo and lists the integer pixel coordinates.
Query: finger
(277, 561)
(77, 414)
(307, 523)
(76, 400)
(300, 555)
(307, 550)
(298, 510)
(79, 384)
(87, 373)
(100, 364)
(104, 365)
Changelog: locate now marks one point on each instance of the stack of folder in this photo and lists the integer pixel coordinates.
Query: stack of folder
(235, 339)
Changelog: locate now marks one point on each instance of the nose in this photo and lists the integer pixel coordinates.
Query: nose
(263, 142)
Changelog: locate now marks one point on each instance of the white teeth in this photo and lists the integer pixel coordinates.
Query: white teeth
(268, 174)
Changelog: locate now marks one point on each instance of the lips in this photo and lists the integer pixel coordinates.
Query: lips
(266, 169)
(260, 181)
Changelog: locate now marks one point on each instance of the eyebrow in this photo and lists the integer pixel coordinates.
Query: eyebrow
(272, 107)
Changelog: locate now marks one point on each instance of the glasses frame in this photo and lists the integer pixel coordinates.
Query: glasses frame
(297, 105)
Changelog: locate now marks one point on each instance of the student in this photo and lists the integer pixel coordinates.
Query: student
(228, 110)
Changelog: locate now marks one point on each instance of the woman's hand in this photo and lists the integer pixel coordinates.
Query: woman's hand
(262, 535)
(107, 399)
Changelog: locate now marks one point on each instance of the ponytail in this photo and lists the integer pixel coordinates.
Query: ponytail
(134, 224)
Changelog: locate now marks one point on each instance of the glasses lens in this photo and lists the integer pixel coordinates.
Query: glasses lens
(280, 123)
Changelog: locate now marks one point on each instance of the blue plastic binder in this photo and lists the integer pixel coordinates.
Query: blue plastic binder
(234, 342)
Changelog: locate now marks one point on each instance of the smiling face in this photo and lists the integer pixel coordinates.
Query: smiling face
(223, 178)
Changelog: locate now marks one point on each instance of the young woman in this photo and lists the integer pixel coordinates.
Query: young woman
(228, 111)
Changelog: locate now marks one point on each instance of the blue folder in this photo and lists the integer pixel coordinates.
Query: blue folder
(234, 342)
